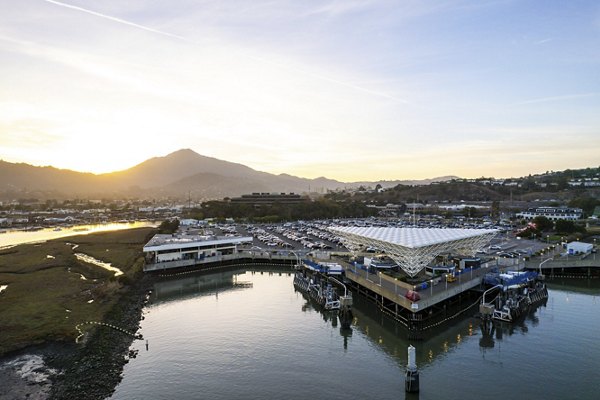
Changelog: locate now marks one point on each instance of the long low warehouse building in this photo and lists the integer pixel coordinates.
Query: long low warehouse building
(164, 248)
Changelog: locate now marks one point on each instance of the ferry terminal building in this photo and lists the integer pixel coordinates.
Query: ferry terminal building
(179, 250)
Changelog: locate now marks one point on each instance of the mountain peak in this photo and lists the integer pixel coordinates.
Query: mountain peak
(180, 164)
(181, 152)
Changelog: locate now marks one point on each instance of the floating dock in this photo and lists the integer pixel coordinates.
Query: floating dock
(319, 281)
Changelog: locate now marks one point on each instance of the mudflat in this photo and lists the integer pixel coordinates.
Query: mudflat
(48, 290)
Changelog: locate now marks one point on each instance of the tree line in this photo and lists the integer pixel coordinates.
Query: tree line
(278, 212)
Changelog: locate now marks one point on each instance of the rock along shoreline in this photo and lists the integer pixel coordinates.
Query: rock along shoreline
(94, 370)
(65, 370)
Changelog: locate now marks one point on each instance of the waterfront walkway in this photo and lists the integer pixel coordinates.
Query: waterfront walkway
(249, 255)
(559, 265)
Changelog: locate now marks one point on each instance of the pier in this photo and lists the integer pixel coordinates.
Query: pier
(586, 266)
(388, 289)
(417, 303)
(438, 303)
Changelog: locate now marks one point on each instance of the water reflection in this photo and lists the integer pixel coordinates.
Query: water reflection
(492, 331)
(12, 238)
(177, 288)
(583, 286)
(270, 342)
(381, 330)
(169, 289)
(91, 260)
(391, 336)
(311, 305)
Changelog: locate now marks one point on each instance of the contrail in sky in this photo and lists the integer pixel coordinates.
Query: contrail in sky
(557, 98)
(174, 36)
(115, 19)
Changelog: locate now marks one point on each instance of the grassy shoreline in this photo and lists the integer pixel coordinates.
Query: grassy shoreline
(47, 295)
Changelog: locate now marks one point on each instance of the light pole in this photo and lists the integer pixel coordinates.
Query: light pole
(540, 266)
(297, 258)
(446, 276)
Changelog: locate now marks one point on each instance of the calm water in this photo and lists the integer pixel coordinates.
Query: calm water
(249, 335)
(12, 238)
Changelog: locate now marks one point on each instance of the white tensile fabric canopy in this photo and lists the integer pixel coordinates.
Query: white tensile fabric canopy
(414, 248)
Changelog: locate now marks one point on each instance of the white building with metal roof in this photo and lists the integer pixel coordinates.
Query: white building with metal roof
(552, 213)
(164, 247)
(415, 248)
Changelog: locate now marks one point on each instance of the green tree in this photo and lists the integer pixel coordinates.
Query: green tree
(587, 204)
(564, 226)
(168, 226)
(543, 223)
(495, 210)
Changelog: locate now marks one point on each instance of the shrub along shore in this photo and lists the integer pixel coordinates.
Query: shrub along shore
(49, 291)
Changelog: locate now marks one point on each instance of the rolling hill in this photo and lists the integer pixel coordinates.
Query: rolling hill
(178, 174)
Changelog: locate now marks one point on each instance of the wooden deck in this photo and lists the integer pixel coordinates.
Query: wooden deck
(395, 290)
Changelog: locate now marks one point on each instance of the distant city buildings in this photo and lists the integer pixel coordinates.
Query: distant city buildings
(587, 182)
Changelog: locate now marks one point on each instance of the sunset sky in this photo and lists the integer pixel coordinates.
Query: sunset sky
(350, 89)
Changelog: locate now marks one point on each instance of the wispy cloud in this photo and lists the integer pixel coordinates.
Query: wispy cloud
(315, 87)
(115, 19)
(27, 133)
(254, 57)
(342, 7)
(557, 98)
(335, 81)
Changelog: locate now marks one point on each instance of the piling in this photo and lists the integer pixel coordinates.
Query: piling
(412, 373)
(345, 312)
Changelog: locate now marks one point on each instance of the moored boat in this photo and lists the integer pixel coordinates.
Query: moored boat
(518, 292)
(318, 289)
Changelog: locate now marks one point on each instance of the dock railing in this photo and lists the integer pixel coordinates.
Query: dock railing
(563, 262)
(395, 290)
(261, 255)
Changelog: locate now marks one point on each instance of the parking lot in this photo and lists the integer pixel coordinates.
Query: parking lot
(507, 246)
(315, 236)
(290, 236)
